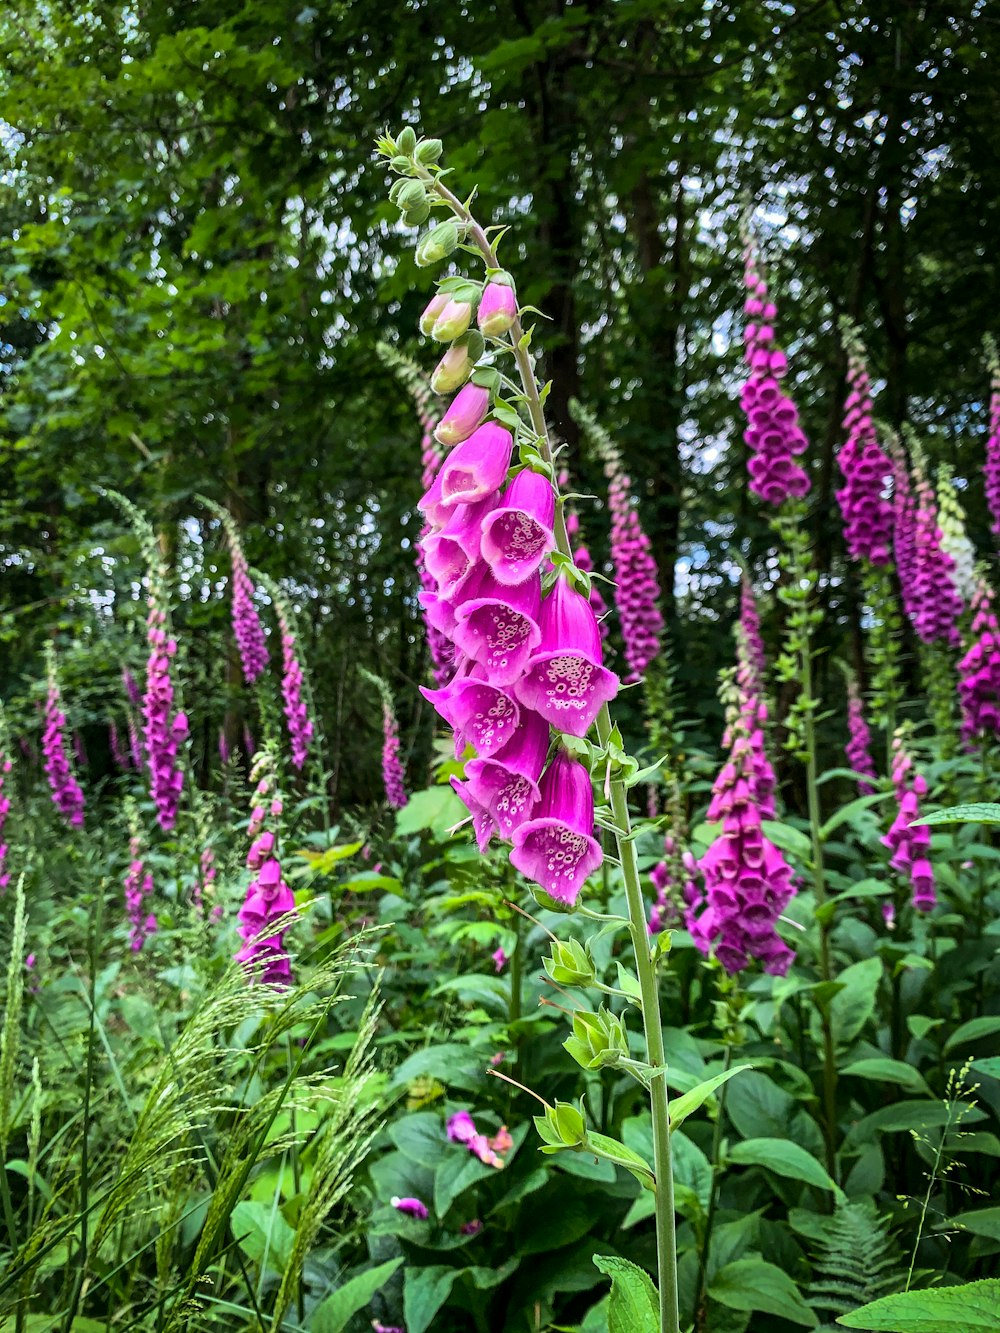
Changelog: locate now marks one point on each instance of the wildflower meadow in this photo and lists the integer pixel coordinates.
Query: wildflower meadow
(499, 668)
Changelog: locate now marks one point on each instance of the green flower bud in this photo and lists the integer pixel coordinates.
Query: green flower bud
(570, 964)
(397, 189)
(437, 244)
(407, 141)
(457, 364)
(561, 1127)
(416, 217)
(403, 165)
(599, 1040)
(452, 322)
(412, 195)
(428, 151)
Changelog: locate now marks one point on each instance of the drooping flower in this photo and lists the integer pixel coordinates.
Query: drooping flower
(465, 413)
(392, 766)
(565, 679)
(499, 959)
(556, 848)
(863, 499)
(138, 887)
(992, 466)
(474, 470)
(936, 603)
(268, 897)
(910, 845)
(773, 432)
(748, 882)
(480, 714)
(247, 626)
(517, 532)
(66, 793)
(756, 656)
(506, 784)
(859, 742)
(300, 727)
(497, 626)
(979, 671)
(497, 307)
(461, 1129)
(411, 1207)
(164, 731)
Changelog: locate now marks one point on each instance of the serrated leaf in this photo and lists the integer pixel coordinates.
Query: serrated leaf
(969, 1309)
(634, 1304)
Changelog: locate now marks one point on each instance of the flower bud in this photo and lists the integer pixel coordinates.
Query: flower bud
(498, 307)
(407, 141)
(433, 308)
(416, 217)
(412, 195)
(598, 1041)
(401, 164)
(465, 412)
(457, 364)
(570, 964)
(561, 1127)
(437, 244)
(428, 151)
(452, 322)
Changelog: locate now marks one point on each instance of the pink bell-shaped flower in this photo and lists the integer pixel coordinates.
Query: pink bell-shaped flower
(506, 785)
(517, 534)
(497, 308)
(466, 411)
(557, 848)
(477, 467)
(498, 626)
(566, 681)
(478, 712)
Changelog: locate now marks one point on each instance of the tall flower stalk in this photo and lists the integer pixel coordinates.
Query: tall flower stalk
(859, 739)
(138, 884)
(497, 627)
(6, 766)
(269, 901)
(991, 468)
(67, 795)
(393, 775)
(776, 441)
(979, 671)
(295, 700)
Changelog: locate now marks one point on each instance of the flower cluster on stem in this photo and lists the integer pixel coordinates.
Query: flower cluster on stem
(936, 604)
(979, 671)
(954, 538)
(138, 886)
(863, 499)
(859, 739)
(297, 719)
(67, 795)
(164, 731)
(6, 766)
(910, 845)
(268, 897)
(992, 465)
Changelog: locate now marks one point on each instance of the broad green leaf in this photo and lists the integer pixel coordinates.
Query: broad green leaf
(435, 810)
(759, 1109)
(981, 1222)
(880, 1069)
(261, 1230)
(974, 1308)
(634, 1305)
(847, 812)
(989, 1065)
(335, 1312)
(905, 1116)
(754, 1284)
(854, 1002)
(979, 812)
(425, 1290)
(789, 839)
(421, 1138)
(685, 1105)
(974, 1030)
(784, 1159)
(452, 1064)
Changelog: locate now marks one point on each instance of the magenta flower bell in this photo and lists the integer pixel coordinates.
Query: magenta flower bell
(477, 467)
(478, 712)
(565, 680)
(517, 534)
(497, 308)
(506, 785)
(466, 411)
(498, 626)
(483, 824)
(557, 848)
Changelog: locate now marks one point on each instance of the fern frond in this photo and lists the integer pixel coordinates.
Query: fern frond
(858, 1261)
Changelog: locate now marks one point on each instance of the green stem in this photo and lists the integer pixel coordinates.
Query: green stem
(713, 1195)
(666, 1241)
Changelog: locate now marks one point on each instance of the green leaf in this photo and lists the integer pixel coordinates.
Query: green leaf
(424, 1292)
(611, 1150)
(634, 1306)
(974, 1030)
(754, 1284)
(260, 1229)
(847, 812)
(880, 1069)
(982, 1222)
(989, 1065)
(682, 1107)
(435, 810)
(784, 1158)
(979, 812)
(333, 1315)
(905, 1116)
(420, 1137)
(969, 1309)
(854, 1002)
(789, 839)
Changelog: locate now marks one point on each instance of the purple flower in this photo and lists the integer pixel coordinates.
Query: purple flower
(465, 413)
(506, 785)
(910, 845)
(246, 622)
(935, 600)
(480, 714)
(472, 1228)
(773, 432)
(499, 959)
(118, 753)
(163, 731)
(138, 891)
(637, 587)
(498, 626)
(979, 671)
(300, 728)
(497, 307)
(411, 1207)
(451, 323)
(992, 467)
(755, 655)
(461, 1128)
(858, 747)
(565, 680)
(392, 766)
(557, 848)
(453, 369)
(517, 533)
(66, 793)
(868, 513)
(474, 470)
(131, 687)
(268, 897)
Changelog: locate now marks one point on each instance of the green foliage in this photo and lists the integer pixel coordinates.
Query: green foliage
(856, 1261)
(972, 1308)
